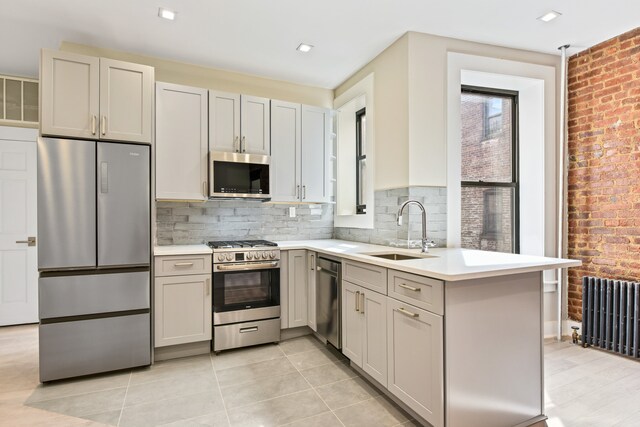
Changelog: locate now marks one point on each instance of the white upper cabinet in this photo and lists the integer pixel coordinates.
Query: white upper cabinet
(300, 138)
(95, 98)
(315, 139)
(224, 121)
(255, 133)
(69, 94)
(286, 147)
(181, 139)
(239, 123)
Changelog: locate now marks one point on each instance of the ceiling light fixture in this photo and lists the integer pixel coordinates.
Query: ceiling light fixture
(549, 16)
(303, 47)
(166, 14)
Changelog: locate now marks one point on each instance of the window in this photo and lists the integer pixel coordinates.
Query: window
(361, 162)
(489, 169)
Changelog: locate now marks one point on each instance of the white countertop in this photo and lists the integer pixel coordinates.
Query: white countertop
(450, 264)
(172, 250)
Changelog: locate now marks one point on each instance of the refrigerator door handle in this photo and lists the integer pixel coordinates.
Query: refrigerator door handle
(104, 177)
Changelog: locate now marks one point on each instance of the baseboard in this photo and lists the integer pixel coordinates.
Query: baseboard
(182, 350)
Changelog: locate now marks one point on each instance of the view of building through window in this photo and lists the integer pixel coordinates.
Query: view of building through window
(361, 161)
(489, 170)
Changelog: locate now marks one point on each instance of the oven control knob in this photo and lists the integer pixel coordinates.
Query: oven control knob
(221, 257)
(265, 255)
(272, 255)
(229, 257)
(250, 255)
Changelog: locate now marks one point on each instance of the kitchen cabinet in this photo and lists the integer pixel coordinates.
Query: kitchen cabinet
(182, 301)
(300, 141)
(415, 365)
(297, 280)
(239, 123)
(312, 258)
(364, 330)
(95, 98)
(181, 139)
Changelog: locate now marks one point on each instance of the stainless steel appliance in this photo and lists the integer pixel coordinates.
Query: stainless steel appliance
(94, 257)
(246, 293)
(239, 175)
(329, 300)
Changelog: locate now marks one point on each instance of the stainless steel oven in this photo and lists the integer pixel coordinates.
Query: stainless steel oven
(239, 175)
(246, 293)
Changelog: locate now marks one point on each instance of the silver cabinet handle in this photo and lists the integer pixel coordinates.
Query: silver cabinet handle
(243, 145)
(103, 125)
(297, 191)
(362, 306)
(250, 329)
(357, 300)
(411, 288)
(208, 287)
(407, 312)
(104, 177)
(304, 191)
(183, 264)
(313, 262)
(236, 145)
(93, 124)
(31, 241)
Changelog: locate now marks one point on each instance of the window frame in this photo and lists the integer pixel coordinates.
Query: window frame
(515, 182)
(361, 208)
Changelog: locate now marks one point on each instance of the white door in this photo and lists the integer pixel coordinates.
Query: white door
(298, 276)
(18, 223)
(352, 322)
(315, 134)
(255, 124)
(285, 151)
(311, 291)
(224, 122)
(374, 348)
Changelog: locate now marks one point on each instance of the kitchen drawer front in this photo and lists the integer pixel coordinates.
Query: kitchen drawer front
(245, 334)
(70, 349)
(64, 296)
(420, 291)
(182, 265)
(366, 275)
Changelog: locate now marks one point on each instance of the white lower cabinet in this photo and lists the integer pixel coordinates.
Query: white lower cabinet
(182, 309)
(364, 332)
(312, 258)
(415, 351)
(297, 280)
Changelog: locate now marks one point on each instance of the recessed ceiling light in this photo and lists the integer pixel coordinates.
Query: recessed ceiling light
(549, 16)
(304, 47)
(166, 14)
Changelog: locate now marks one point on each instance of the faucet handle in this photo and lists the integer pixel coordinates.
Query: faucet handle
(431, 243)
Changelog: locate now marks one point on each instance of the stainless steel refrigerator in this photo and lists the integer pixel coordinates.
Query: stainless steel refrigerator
(93, 257)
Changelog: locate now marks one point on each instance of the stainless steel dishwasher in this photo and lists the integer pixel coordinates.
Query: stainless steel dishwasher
(329, 300)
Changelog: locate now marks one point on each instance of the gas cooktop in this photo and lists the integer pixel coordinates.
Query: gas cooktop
(230, 244)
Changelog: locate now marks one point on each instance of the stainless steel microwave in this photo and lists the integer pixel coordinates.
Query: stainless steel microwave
(239, 176)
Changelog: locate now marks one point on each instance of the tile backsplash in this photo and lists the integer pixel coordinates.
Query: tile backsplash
(191, 223)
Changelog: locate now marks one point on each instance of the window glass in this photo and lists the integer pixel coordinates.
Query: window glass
(488, 218)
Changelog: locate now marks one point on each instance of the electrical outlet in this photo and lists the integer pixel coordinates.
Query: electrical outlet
(292, 212)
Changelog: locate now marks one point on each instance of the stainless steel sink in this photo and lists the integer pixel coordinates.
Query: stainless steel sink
(395, 256)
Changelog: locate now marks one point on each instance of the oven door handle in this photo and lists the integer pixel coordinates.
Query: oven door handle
(246, 267)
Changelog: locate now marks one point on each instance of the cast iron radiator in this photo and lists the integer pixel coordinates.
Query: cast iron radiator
(611, 315)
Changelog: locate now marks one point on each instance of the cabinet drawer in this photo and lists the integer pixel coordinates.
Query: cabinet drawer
(367, 275)
(183, 264)
(420, 291)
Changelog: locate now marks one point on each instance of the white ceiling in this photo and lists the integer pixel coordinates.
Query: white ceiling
(260, 36)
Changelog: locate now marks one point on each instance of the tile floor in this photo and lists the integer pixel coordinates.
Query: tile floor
(296, 383)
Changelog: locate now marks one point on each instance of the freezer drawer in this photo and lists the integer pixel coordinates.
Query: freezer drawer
(70, 349)
(123, 204)
(64, 296)
(66, 204)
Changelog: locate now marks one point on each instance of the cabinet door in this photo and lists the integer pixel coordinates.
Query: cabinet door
(415, 354)
(182, 309)
(70, 97)
(224, 121)
(315, 144)
(352, 322)
(181, 139)
(126, 101)
(285, 151)
(255, 122)
(311, 291)
(374, 349)
(298, 277)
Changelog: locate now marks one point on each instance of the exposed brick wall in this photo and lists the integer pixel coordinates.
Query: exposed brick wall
(604, 163)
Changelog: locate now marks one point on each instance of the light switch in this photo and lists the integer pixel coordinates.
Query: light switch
(292, 212)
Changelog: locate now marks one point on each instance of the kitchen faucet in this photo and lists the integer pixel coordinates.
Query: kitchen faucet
(425, 243)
